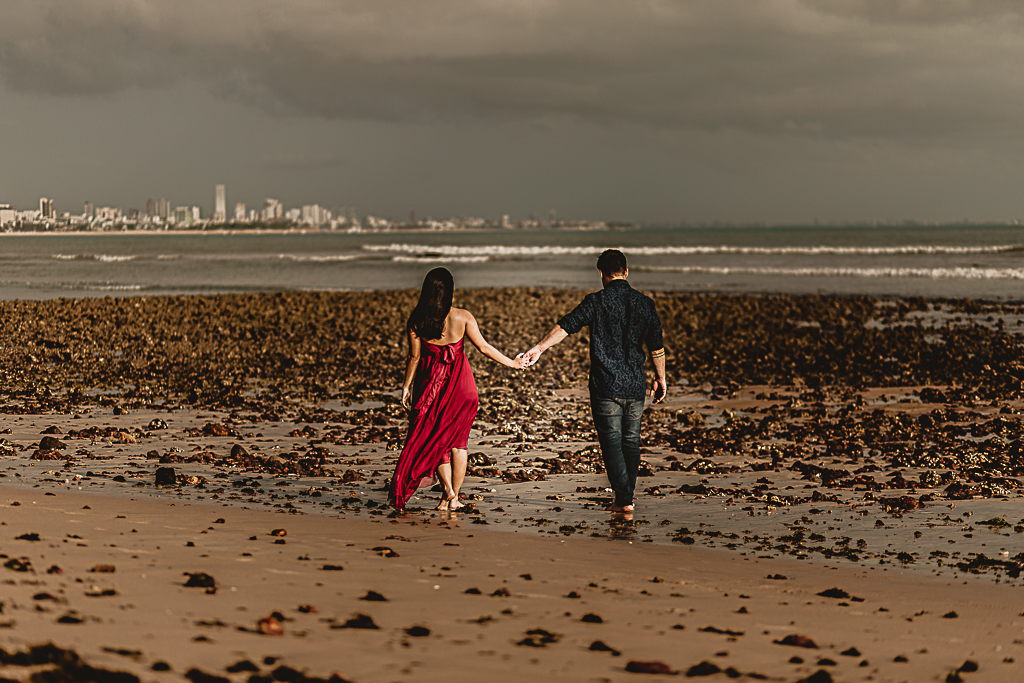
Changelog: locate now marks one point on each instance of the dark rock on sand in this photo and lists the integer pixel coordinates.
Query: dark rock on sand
(165, 477)
(358, 620)
(600, 646)
(797, 640)
(201, 580)
(639, 667)
(417, 631)
(539, 637)
(50, 443)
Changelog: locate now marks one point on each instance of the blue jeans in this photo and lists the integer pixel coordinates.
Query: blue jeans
(617, 421)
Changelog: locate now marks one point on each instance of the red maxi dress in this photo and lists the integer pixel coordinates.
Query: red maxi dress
(444, 403)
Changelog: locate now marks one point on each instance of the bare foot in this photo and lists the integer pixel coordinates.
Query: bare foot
(449, 502)
(456, 504)
(619, 508)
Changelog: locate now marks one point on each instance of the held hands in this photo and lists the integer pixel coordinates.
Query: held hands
(659, 390)
(530, 357)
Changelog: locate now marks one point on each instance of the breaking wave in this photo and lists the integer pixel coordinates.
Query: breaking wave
(966, 273)
(434, 257)
(106, 258)
(500, 250)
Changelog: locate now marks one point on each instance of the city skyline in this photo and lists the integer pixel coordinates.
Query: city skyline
(776, 111)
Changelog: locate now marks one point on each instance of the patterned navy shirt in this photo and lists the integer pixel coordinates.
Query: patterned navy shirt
(621, 321)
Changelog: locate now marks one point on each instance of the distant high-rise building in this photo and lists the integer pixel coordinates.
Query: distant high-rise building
(88, 210)
(8, 214)
(183, 216)
(273, 210)
(46, 208)
(240, 214)
(220, 213)
(163, 209)
(150, 208)
(505, 222)
(314, 214)
(108, 213)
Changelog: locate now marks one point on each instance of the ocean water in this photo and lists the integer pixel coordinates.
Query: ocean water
(982, 262)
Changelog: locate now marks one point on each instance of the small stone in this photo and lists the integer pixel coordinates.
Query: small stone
(201, 580)
(358, 620)
(50, 443)
(705, 668)
(819, 676)
(270, 626)
(655, 667)
(165, 477)
(417, 631)
(796, 640)
(600, 646)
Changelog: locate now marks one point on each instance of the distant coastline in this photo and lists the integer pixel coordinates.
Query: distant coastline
(310, 231)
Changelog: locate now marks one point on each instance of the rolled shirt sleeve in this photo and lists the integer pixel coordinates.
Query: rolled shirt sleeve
(654, 339)
(579, 317)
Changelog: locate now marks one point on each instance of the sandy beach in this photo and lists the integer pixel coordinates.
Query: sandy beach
(121, 602)
(836, 471)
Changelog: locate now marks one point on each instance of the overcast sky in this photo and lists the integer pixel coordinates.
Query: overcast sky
(657, 110)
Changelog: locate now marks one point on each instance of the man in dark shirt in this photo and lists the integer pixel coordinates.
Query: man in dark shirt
(621, 322)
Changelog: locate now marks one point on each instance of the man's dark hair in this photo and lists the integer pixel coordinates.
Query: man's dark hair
(612, 262)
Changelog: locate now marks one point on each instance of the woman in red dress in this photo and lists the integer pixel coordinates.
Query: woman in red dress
(440, 392)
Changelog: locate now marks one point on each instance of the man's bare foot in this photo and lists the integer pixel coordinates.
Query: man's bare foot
(619, 508)
(456, 504)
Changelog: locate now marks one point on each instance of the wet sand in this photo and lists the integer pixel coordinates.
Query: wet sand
(904, 494)
(122, 598)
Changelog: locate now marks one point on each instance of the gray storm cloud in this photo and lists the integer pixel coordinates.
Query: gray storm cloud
(816, 68)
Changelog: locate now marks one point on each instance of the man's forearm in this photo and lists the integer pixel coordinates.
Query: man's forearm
(659, 366)
(658, 356)
(556, 335)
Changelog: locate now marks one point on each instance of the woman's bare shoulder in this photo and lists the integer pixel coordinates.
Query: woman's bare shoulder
(461, 314)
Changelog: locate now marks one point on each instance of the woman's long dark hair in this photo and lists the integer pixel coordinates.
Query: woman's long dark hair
(427, 319)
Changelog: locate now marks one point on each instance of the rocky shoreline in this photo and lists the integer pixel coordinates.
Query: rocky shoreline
(871, 438)
(270, 353)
